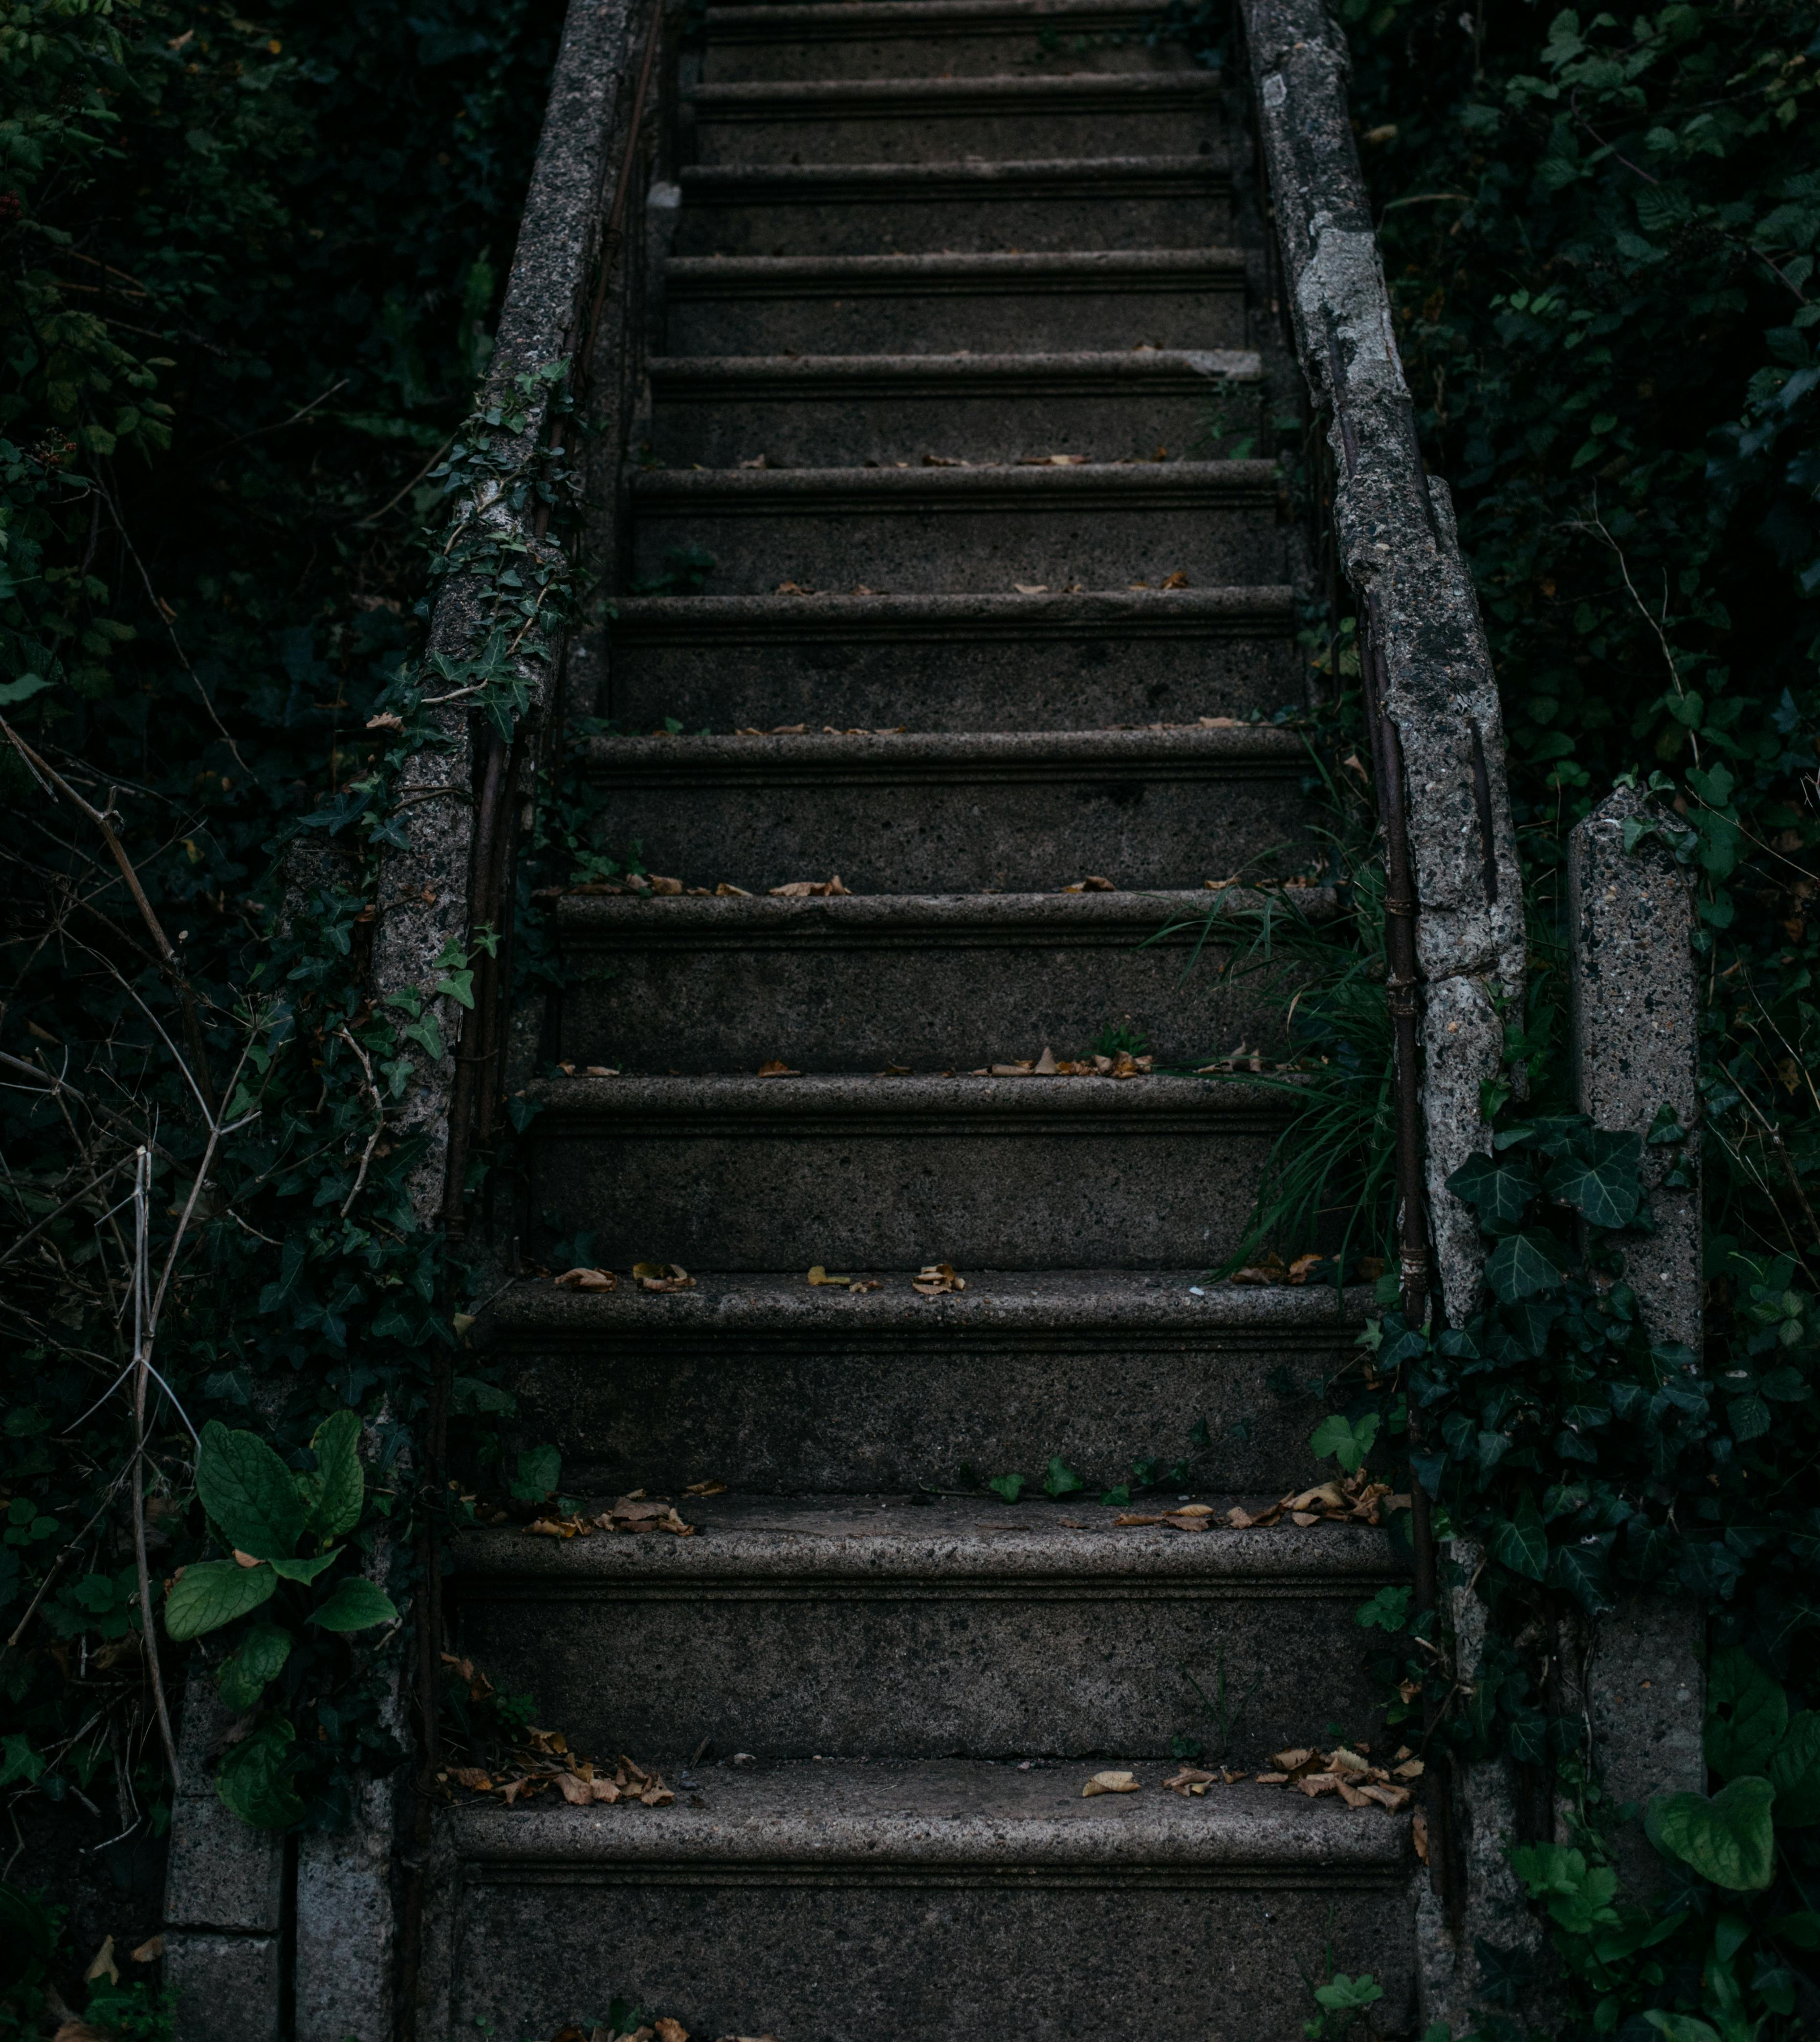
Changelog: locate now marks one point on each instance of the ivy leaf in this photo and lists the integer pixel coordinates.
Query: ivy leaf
(1584, 1571)
(539, 1469)
(1388, 1610)
(249, 1493)
(1498, 1188)
(469, 1397)
(1748, 1417)
(333, 1494)
(1601, 1181)
(1522, 1264)
(1747, 1713)
(1794, 1772)
(1346, 1441)
(1729, 1839)
(259, 1660)
(355, 1605)
(1061, 1480)
(213, 1592)
(1520, 1542)
(1009, 1487)
(255, 1778)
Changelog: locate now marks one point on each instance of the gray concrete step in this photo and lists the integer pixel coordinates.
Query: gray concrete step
(999, 530)
(927, 982)
(1029, 812)
(771, 1383)
(886, 208)
(937, 38)
(935, 304)
(981, 663)
(754, 1173)
(797, 410)
(851, 1627)
(941, 1902)
(934, 119)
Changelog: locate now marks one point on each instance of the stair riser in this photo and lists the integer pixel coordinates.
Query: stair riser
(825, 1960)
(832, 1005)
(815, 431)
(962, 682)
(1138, 828)
(835, 1672)
(939, 133)
(978, 546)
(713, 1197)
(1017, 52)
(882, 223)
(895, 1415)
(913, 317)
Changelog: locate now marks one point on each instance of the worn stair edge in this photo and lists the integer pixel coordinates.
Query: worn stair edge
(717, 1104)
(858, 18)
(1012, 1306)
(1245, 751)
(1088, 272)
(1154, 371)
(1121, 177)
(945, 1813)
(812, 491)
(1170, 613)
(868, 920)
(766, 99)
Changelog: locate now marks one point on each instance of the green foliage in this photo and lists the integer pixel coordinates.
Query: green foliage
(1728, 1838)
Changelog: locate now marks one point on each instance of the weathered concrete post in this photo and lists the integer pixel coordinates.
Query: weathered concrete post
(1635, 1018)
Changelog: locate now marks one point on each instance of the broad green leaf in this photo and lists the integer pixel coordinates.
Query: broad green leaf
(212, 1592)
(1344, 1439)
(1008, 1486)
(255, 1778)
(1794, 1772)
(260, 1658)
(306, 1570)
(1729, 1839)
(1747, 1713)
(469, 1397)
(1388, 1610)
(1061, 1480)
(1800, 1932)
(1601, 1182)
(1585, 1572)
(1681, 2027)
(250, 1496)
(1498, 1188)
(539, 1469)
(333, 1494)
(1522, 1264)
(354, 1604)
(1341, 1993)
(1520, 1542)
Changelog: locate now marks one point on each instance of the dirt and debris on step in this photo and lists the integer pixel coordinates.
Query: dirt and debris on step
(587, 1280)
(1049, 1065)
(936, 1279)
(1094, 883)
(1348, 1771)
(807, 890)
(662, 1276)
(1355, 1499)
(636, 1513)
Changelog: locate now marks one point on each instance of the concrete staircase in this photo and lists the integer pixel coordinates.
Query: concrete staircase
(921, 247)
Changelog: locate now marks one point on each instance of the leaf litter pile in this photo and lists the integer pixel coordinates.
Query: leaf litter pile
(1354, 1500)
(635, 1513)
(1345, 1771)
(536, 1761)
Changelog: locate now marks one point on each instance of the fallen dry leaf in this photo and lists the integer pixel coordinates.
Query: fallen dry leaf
(149, 1951)
(726, 890)
(1395, 1798)
(1094, 883)
(1031, 587)
(711, 1487)
(587, 1280)
(1413, 1770)
(793, 588)
(777, 1068)
(935, 1278)
(818, 1277)
(1132, 1517)
(671, 2030)
(1109, 1783)
(659, 885)
(386, 720)
(472, 1776)
(641, 1514)
(1191, 1779)
(601, 1071)
(662, 1276)
(1178, 579)
(1419, 1834)
(1354, 1797)
(102, 1965)
(1292, 1760)
(805, 889)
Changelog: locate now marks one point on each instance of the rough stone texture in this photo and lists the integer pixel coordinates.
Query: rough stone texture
(989, 529)
(935, 304)
(346, 1923)
(915, 39)
(1401, 554)
(1635, 1021)
(868, 1903)
(770, 1384)
(979, 208)
(849, 1625)
(1004, 1173)
(948, 663)
(929, 120)
(229, 1988)
(667, 984)
(721, 410)
(934, 813)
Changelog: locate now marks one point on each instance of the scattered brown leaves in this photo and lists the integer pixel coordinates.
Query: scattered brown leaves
(1049, 1065)
(806, 889)
(1348, 1774)
(819, 1277)
(662, 1276)
(630, 1513)
(544, 1759)
(1184, 1517)
(1094, 883)
(711, 1487)
(1271, 1268)
(587, 1280)
(1355, 1499)
(936, 1278)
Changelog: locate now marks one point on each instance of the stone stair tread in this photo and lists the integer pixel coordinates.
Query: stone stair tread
(962, 13)
(797, 1101)
(754, 373)
(950, 1544)
(1009, 1302)
(707, 182)
(912, 917)
(951, 754)
(944, 1811)
(980, 610)
(1116, 481)
(1063, 92)
(1059, 268)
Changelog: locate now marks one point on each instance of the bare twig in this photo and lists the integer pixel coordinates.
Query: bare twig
(379, 1124)
(144, 1327)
